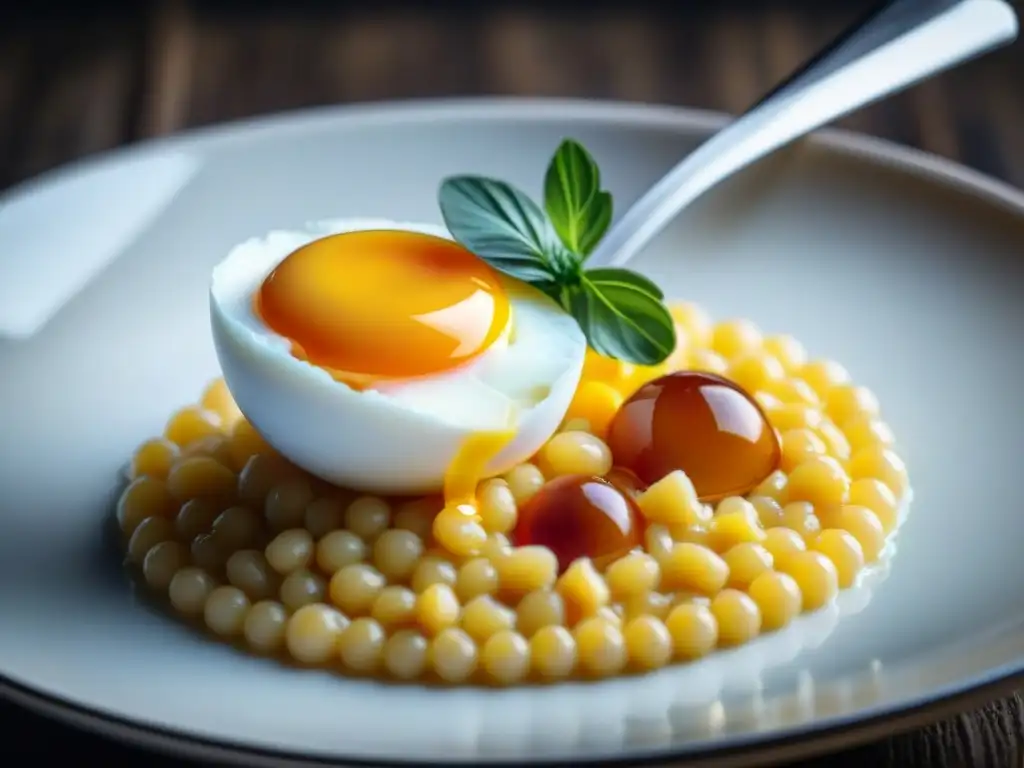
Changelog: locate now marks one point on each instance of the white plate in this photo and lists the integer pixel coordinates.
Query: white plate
(905, 268)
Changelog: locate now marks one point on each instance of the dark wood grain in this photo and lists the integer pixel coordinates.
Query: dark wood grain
(77, 80)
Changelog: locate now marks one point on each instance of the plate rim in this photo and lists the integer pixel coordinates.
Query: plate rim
(797, 743)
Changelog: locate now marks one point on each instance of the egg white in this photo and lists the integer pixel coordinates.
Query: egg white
(400, 437)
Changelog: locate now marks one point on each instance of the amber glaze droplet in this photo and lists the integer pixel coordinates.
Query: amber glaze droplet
(703, 424)
(626, 481)
(580, 516)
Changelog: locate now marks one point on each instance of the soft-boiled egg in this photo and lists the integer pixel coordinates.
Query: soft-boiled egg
(386, 358)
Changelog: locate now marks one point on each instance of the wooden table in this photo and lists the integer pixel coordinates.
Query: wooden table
(78, 80)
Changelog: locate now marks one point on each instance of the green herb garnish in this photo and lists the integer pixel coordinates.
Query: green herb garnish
(620, 311)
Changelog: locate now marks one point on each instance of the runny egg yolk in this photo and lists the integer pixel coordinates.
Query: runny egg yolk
(384, 304)
(469, 465)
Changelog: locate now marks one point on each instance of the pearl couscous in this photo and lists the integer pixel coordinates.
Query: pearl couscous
(538, 582)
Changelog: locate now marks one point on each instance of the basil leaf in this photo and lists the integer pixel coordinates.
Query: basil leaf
(579, 210)
(598, 216)
(499, 224)
(605, 276)
(550, 288)
(623, 322)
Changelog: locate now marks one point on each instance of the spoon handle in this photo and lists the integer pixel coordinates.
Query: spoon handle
(898, 44)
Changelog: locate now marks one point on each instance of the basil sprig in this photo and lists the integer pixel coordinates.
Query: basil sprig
(620, 312)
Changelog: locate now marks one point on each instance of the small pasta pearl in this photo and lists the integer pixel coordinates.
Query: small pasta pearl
(225, 610)
(876, 496)
(246, 442)
(847, 401)
(285, 505)
(354, 588)
(259, 474)
(746, 562)
(815, 575)
(323, 515)
(396, 553)
(483, 616)
(524, 569)
(264, 626)
(195, 516)
(648, 604)
(361, 645)
(821, 481)
(583, 589)
(406, 654)
(312, 633)
(338, 549)
(553, 652)
(673, 501)
(800, 445)
(238, 528)
(147, 535)
(865, 527)
(200, 476)
(787, 350)
(497, 506)
(738, 616)
(575, 453)
(694, 322)
(524, 480)
(775, 486)
(882, 464)
(781, 543)
(453, 654)
(845, 552)
(505, 657)
(394, 606)
(648, 642)
(633, 574)
(417, 516)
(754, 370)
(433, 570)
(190, 424)
(302, 587)
(217, 399)
(735, 522)
(799, 516)
(437, 607)
(694, 568)
(538, 609)
(368, 517)
(694, 630)
(208, 552)
(476, 577)
(154, 458)
(778, 597)
(248, 570)
(162, 561)
(290, 550)
(216, 447)
(866, 431)
(824, 375)
(459, 531)
(188, 590)
(732, 338)
(601, 647)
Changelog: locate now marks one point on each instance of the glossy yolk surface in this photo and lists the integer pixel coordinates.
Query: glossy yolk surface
(384, 304)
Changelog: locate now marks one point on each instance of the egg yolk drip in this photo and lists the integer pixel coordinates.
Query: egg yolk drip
(458, 527)
(469, 465)
(384, 304)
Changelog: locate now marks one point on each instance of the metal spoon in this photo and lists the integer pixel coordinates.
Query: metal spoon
(896, 45)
